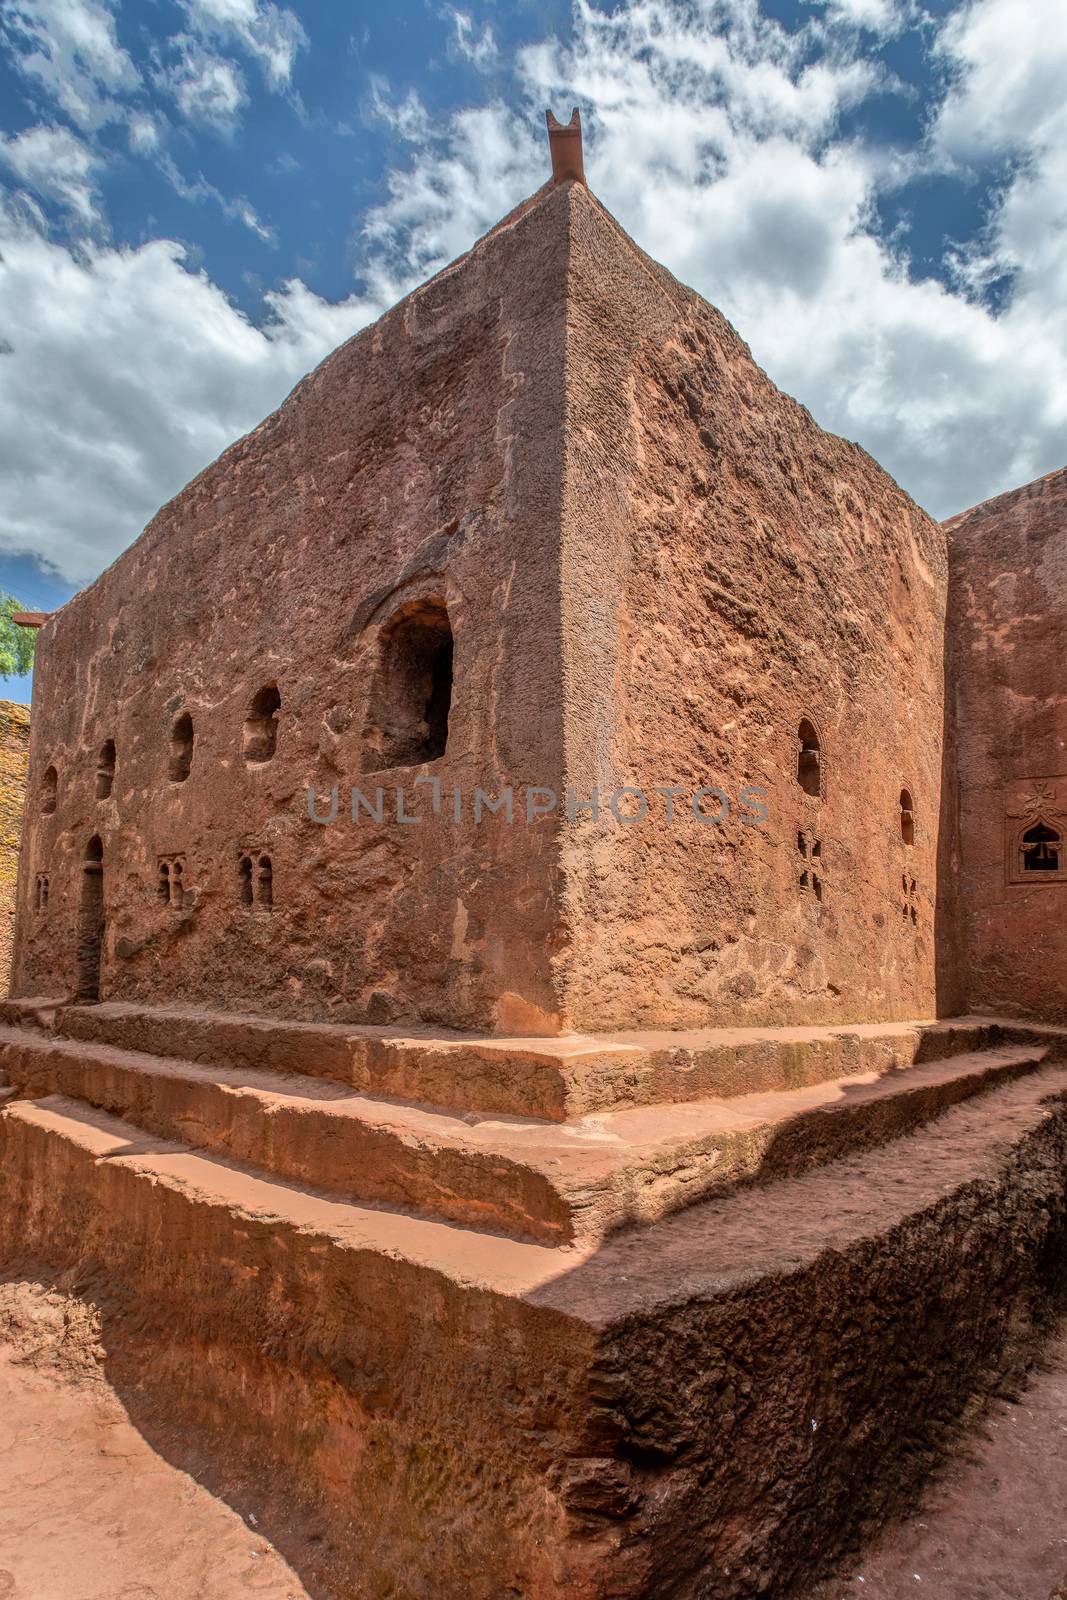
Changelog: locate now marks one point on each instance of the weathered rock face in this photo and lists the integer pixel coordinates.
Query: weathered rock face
(14, 758)
(732, 576)
(545, 526)
(291, 620)
(1009, 634)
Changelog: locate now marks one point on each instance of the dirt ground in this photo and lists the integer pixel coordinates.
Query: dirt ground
(994, 1525)
(88, 1510)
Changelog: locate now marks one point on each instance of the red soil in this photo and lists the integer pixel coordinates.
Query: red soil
(89, 1511)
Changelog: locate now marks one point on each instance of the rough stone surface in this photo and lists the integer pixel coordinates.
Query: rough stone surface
(655, 567)
(1009, 635)
(991, 1525)
(730, 570)
(14, 759)
(447, 1413)
(543, 1206)
(421, 461)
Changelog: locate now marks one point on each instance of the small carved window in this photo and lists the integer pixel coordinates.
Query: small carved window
(49, 792)
(261, 725)
(264, 883)
(411, 693)
(40, 894)
(811, 872)
(1042, 849)
(171, 884)
(244, 880)
(809, 759)
(181, 748)
(907, 817)
(105, 769)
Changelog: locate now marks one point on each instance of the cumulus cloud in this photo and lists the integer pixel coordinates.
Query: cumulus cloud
(56, 165)
(207, 89)
(1009, 65)
(270, 33)
(71, 49)
(126, 373)
(713, 133)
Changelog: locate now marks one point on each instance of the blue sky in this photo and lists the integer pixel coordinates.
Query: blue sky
(199, 198)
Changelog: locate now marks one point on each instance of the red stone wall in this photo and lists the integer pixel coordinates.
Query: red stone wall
(1009, 678)
(422, 459)
(14, 752)
(655, 566)
(729, 570)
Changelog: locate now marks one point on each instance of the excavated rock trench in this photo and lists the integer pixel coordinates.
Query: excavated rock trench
(90, 1511)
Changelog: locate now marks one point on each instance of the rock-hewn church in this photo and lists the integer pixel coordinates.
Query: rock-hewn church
(540, 971)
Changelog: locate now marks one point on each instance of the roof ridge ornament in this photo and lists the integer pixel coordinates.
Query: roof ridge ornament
(565, 145)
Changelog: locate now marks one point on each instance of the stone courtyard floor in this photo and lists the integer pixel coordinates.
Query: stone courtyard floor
(90, 1511)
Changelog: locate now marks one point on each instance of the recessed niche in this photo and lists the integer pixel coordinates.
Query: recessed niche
(907, 817)
(105, 770)
(181, 748)
(411, 691)
(261, 725)
(809, 759)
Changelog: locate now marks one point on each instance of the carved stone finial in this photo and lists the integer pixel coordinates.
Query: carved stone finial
(565, 143)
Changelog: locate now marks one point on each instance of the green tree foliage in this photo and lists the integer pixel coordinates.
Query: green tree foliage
(16, 644)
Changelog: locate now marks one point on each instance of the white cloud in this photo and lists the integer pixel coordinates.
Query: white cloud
(207, 89)
(1010, 68)
(70, 47)
(407, 117)
(480, 49)
(127, 373)
(57, 166)
(713, 134)
(883, 17)
(143, 133)
(270, 33)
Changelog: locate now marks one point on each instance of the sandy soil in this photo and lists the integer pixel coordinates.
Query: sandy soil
(88, 1510)
(994, 1525)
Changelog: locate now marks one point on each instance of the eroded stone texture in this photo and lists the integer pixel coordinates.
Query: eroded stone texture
(414, 475)
(1009, 632)
(656, 571)
(730, 573)
(14, 756)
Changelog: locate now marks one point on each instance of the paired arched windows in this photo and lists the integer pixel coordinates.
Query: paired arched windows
(255, 879)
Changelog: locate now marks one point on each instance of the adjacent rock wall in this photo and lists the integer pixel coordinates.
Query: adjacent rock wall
(1009, 630)
(730, 570)
(14, 758)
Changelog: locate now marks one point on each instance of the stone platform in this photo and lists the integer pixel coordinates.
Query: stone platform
(567, 1317)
